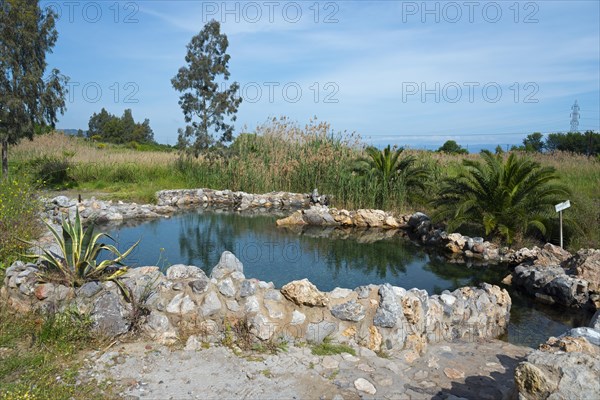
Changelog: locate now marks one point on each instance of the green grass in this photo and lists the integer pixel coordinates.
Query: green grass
(40, 357)
(283, 156)
(328, 349)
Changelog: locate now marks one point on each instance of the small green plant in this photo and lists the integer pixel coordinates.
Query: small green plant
(18, 219)
(327, 348)
(80, 249)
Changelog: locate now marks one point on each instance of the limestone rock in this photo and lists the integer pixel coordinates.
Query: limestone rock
(199, 286)
(181, 304)
(180, 271)
(349, 311)
(226, 288)
(586, 265)
(297, 318)
(211, 305)
(303, 292)
(595, 321)
(364, 385)
(247, 288)
(389, 309)
(109, 315)
(316, 333)
(532, 383)
(227, 265)
(294, 219)
(592, 335)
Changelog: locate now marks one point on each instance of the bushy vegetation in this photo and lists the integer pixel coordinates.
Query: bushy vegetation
(18, 218)
(106, 127)
(504, 197)
(587, 143)
(282, 155)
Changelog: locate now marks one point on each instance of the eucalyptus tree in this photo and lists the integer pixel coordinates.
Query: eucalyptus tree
(205, 99)
(28, 100)
(506, 197)
(388, 171)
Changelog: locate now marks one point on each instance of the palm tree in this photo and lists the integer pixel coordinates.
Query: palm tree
(504, 197)
(389, 171)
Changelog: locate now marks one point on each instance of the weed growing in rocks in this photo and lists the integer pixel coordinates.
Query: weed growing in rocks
(327, 348)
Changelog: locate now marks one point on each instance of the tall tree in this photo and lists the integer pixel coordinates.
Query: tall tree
(451, 147)
(534, 142)
(202, 97)
(27, 100)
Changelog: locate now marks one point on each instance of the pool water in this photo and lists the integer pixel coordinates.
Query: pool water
(328, 258)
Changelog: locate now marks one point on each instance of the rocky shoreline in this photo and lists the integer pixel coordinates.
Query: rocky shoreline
(549, 274)
(185, 305)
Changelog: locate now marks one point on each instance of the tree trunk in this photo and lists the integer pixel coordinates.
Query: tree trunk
(5, 158)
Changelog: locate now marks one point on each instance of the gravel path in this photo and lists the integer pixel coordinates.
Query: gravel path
(476, 370)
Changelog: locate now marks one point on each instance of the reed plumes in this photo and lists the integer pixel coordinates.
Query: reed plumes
(282, 155)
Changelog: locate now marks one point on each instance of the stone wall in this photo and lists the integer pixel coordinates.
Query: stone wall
(185, 302)
(238, 200)
(553, 275)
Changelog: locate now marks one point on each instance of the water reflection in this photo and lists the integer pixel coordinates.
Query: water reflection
(327, 257)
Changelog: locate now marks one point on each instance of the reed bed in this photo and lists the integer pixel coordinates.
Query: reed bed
(283, 155)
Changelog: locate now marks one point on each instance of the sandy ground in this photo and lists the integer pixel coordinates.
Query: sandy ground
(476, 370)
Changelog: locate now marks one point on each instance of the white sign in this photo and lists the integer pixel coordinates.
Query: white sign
(562, 206)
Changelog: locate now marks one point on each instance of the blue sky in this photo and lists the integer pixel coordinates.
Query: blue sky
(399, 72)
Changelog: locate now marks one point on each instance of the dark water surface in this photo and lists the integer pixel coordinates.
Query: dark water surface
(327, 258)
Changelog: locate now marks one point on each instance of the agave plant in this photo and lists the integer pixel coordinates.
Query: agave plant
(504, 197)
(80, 249)
(387, 169)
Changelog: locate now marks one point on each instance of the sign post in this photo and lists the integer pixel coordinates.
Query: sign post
(559, 209)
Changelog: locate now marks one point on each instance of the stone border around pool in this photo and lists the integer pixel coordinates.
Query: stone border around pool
(185, 302)
(549, 274)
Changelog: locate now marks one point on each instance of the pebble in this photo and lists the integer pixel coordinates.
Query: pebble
(454, 373)
(364, 385)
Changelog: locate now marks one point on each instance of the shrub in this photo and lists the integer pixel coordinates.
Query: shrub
(508, 197)
(18, 219)
(52, 171)
(78, 262)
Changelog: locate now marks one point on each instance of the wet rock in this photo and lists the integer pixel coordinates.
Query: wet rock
(303, 292)
(349, 311)
(416, 219)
